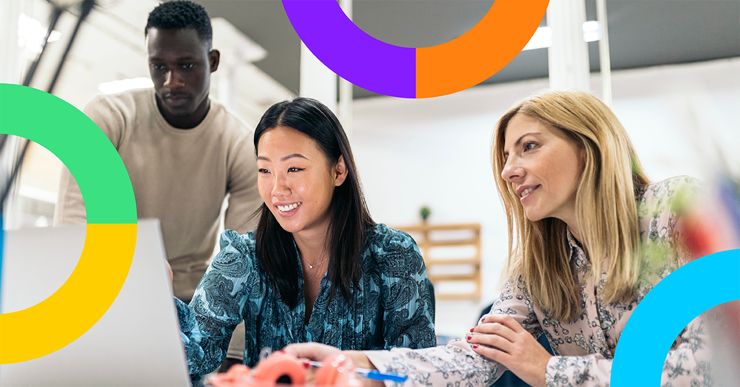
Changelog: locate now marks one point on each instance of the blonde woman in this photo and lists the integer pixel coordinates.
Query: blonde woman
(577, 203)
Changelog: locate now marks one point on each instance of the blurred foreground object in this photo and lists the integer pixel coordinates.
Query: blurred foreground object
(285, 369)
(709, 225)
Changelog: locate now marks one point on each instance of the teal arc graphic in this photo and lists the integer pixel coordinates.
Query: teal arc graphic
(673, 302)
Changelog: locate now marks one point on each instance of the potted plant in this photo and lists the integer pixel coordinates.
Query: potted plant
(425, 212)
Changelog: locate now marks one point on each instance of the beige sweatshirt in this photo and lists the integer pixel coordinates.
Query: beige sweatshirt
(180, 176)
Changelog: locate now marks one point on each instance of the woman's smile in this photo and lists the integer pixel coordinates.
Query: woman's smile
(288, 209)
(525, 191)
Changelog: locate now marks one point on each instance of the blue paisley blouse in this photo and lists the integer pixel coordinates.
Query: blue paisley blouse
(393, 305)
(584, 348)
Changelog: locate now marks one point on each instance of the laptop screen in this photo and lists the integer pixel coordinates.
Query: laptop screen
(136, 342)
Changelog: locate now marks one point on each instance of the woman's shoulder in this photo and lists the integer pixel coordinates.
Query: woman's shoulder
(667, 196)
(660, 207)
(389, 248)
(239, 241)
(236, 251)
(393, 253)
(669, 188)
(381, 238)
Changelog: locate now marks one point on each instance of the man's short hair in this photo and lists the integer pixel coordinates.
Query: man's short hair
(181, 14)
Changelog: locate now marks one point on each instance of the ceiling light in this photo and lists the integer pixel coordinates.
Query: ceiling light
(591, 31)
(542, 38)
(113, 87)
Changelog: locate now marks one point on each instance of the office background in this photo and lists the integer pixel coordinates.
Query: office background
(675, 78)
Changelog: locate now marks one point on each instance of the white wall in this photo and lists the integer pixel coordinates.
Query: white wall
(436, 152)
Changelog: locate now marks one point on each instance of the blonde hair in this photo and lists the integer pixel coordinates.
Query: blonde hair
(606, 211)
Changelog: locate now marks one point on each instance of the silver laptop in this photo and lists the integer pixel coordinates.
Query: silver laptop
(136, 343)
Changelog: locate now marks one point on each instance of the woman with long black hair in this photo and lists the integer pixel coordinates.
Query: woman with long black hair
(317, 268)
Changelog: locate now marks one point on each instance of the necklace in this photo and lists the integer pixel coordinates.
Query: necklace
(310, 266)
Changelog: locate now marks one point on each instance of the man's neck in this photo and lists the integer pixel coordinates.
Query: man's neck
(189, 121)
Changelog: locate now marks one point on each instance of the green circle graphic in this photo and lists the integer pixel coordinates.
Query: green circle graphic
(79, 143)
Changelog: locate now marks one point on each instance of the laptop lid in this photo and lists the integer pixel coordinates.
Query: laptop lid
(137, 342)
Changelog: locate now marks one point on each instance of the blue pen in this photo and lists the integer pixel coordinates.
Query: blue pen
(382, 376)
(371, 374)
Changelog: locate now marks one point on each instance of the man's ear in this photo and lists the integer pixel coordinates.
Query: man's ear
(214, 57)
(340, 172)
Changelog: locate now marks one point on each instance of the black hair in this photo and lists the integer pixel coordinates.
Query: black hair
(350, 219)
(180, 14)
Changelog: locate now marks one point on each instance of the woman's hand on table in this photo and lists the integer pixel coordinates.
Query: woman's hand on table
(501, 339)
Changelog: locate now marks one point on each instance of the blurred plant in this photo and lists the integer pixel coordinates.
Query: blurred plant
(425, 212)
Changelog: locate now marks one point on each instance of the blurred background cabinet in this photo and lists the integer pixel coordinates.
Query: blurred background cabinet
(452, 254)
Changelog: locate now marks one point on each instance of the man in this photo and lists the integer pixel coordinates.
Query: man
(184, 152)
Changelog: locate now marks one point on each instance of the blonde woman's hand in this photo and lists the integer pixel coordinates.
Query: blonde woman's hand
(501, 339)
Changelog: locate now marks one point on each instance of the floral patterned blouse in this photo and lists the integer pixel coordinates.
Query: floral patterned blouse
(393, 306)
(583, 348)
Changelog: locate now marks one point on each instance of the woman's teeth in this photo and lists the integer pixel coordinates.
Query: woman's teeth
(527, 191)
(290, 207)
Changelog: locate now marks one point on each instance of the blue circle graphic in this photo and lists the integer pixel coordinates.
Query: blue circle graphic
(666, 310)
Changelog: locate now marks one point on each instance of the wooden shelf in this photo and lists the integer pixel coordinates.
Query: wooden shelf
(421, 234)
(453, 277)
(451, 242)
(441, 227)
(456, 296)
(454, 261)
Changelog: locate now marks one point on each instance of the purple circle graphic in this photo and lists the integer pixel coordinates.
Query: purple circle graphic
(348, 50)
